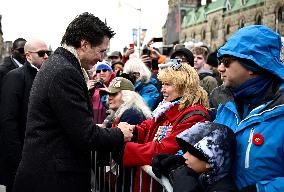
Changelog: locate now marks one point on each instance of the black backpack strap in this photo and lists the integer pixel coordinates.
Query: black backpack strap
(195, 112)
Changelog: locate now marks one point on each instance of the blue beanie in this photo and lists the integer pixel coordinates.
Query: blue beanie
(103, 65)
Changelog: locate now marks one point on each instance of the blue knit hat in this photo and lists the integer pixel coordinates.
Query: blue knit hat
(103, 65)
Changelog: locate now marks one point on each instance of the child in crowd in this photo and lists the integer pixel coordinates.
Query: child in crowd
(206, 163)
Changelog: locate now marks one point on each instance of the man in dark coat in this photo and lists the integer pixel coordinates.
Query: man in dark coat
(16, 87)
(17, 59)
(60, 131)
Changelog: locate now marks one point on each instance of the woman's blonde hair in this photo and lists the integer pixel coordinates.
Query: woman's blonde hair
(131, 99)
(186, 81)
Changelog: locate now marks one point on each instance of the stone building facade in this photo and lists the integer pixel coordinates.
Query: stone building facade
(216, 21)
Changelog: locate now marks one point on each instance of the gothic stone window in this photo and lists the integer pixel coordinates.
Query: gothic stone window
(258, 19)
(228, 29)
(280, 15)
(242, 23)
(243, 2)
(214, 29)
(203, 34)
(228, 6)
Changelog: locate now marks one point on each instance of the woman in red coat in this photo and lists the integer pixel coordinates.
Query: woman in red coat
(185, 103)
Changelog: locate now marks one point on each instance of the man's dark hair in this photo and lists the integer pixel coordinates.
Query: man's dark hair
(15, 43)
(86, 27)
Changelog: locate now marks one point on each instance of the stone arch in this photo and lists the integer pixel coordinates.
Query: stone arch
(258, 18)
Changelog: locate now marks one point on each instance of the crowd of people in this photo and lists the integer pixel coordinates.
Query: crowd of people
(206, 121)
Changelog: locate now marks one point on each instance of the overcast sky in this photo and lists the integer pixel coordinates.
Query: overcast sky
(47, 20)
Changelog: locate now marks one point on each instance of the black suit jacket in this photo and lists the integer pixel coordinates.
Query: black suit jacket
(60, 132)
(16, 87)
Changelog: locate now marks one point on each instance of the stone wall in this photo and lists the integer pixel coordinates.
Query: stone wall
(220, 25)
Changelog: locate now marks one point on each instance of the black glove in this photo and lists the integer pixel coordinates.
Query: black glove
(250, 188)
(184, 179)
(165, 163)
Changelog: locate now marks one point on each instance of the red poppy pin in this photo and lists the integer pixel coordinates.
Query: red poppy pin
(257, 139)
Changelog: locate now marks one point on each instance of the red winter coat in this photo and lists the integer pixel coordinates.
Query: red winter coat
(142, 151)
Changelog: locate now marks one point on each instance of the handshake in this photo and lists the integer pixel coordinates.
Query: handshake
(127, 130)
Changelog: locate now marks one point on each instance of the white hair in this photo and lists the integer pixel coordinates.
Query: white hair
(136, 65)
(131, 99)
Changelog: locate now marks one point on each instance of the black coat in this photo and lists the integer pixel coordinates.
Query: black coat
(184, 179)
(60, 132)
(16, 87)
(7, 65)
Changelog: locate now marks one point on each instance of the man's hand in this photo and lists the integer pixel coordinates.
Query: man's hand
(127, 130)
(146, 59)
(154, 54)
(91, 84)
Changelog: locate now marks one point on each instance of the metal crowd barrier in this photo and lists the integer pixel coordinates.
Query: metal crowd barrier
(115, 178)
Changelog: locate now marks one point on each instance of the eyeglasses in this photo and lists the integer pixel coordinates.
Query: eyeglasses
(103, 70)
(42, 53)
(227, 61)
(21, 50)
(136, 74)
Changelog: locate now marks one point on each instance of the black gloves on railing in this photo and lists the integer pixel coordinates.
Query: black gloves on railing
(165, 163)
(181, 177)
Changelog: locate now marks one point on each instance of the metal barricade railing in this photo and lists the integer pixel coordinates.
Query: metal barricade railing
(115, 178)
(163, 180)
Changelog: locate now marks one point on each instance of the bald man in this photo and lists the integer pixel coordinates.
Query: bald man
(15, 93)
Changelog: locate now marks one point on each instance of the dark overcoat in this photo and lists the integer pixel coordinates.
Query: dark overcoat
(7, 65)
(60, 132)
(16, 87)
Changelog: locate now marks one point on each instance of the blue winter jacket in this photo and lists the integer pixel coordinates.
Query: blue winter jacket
(149, 92)
(259, 135)
(258, 164)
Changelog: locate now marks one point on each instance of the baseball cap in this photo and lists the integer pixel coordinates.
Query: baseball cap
(118, 84)
(115, 54)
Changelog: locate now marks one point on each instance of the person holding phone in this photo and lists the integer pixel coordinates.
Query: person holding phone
(128, 52)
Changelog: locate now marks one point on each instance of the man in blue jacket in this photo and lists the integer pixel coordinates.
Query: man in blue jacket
(251, 102)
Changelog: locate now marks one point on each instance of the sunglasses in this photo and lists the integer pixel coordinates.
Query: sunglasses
(42, 53)
(103, 70)
(21, 50)
(227, 61)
